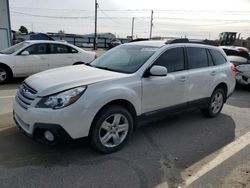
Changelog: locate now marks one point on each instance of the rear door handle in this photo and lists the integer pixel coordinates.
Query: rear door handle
(183, 79)
(213, 73)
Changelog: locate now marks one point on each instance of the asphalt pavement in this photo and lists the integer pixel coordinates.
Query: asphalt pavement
(156, 156)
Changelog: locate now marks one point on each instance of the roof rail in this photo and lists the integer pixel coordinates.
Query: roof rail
(185, 40)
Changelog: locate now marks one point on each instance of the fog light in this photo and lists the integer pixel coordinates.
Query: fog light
(49, 136)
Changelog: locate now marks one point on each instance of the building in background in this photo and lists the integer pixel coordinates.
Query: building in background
(5, 28)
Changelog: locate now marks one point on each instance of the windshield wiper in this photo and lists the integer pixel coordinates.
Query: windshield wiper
(88, 64)
(105, 68)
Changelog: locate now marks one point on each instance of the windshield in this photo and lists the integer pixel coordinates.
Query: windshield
(124, 58)
(14, 48)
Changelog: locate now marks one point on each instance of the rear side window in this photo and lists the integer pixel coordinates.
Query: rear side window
(59, 49)
(172, 59)
(218, 58)
(72, 50)
(197, 57)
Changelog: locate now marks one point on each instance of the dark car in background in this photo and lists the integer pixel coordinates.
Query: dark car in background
(114, 42)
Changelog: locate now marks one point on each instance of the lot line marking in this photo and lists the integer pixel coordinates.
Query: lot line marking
(7, 97)
(5, 128)
(200, 168)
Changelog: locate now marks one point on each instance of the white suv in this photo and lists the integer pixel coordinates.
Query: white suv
(106, 100)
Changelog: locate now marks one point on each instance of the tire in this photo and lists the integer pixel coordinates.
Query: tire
(215, 104)
(111, 129)
(5, 74)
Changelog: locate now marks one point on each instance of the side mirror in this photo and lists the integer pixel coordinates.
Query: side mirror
(25, 53)
(158, 71)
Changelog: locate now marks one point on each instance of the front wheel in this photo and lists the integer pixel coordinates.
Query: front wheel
(216, 103)
(111, 129)
(4, 75)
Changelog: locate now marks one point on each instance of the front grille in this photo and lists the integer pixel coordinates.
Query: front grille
(25, 96)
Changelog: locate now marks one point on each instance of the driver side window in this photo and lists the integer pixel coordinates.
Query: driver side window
(172, 59)
(37, 49)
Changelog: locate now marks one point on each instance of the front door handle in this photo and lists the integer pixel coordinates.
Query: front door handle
(213, 73)
(183, 79)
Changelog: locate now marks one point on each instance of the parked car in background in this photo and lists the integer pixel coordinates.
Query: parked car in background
(106, 100)
(30, 57)
(240, 57)
(114, 42)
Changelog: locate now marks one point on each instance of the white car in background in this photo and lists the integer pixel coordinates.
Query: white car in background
(240, 57)
(30, 57)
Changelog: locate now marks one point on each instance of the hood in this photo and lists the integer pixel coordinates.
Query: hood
(56, 80)
(3, 55)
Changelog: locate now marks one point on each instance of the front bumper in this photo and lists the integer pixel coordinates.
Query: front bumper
(60, 134)
(73, 121)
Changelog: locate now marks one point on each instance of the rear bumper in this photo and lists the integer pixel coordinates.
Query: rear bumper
(242, 80)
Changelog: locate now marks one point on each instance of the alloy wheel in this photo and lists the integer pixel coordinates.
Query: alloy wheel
(113, 130)
(217, 102)
(3, 75)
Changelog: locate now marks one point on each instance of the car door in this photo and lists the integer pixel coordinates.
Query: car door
(60, 55)
(36, 59)
(201, 73)
(166, 91)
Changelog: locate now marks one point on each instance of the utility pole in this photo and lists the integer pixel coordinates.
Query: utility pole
(132, 35)
(95, 36)
(151, 24)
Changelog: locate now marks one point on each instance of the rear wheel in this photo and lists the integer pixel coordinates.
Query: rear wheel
(4, 74)
(216, 103)
(111, 129)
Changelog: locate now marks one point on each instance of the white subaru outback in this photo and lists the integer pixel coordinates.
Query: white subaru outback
(107, 99)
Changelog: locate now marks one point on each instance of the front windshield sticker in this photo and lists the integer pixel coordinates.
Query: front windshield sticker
(149, 49)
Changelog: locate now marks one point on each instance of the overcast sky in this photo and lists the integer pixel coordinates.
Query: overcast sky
(172, 18)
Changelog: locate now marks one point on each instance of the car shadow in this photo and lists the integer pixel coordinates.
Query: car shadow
(12, 84)
(157, 152)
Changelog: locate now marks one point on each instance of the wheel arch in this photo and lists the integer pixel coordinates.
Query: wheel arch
(120, 102)
(223, 86)
(8, 68)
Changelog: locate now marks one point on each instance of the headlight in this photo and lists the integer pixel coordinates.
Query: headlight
(61, 99)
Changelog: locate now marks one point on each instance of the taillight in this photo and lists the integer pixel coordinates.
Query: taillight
(96, 55)
(242, 50)
(234, 68)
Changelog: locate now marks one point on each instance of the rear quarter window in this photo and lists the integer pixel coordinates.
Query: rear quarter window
(217, 57)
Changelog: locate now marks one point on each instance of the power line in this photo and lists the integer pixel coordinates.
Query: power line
(56, 17)
(52, 9)
(129, 17)
(231, 12)
(105, 14)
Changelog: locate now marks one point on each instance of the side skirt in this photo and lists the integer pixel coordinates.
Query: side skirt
(172, 110)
